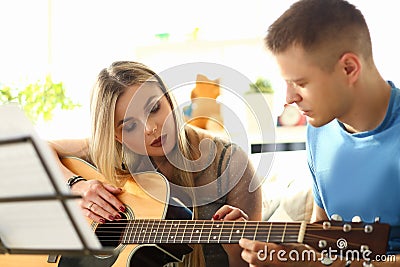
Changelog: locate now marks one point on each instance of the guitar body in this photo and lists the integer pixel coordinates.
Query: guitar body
(140, 204)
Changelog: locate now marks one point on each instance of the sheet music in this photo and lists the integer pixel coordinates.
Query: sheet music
(37, 225)
(27, 170)
(17, 162)
(15, 125)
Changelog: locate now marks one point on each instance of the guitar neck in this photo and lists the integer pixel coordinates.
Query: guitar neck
(143, 231)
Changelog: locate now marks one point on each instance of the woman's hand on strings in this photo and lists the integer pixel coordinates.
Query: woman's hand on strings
(230, 213)
(99, 201)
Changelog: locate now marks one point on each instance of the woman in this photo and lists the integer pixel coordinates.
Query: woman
(136, 127)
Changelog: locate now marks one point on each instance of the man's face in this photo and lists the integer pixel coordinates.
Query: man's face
(321, 95)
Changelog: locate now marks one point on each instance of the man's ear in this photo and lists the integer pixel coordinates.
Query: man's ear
(351, 66)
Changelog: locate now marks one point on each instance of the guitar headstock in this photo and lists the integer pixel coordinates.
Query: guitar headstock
(348, 238)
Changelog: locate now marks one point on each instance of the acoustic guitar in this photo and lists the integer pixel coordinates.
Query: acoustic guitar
(154, 231)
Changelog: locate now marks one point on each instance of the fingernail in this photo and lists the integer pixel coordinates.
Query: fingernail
(102, 220)
(122, 208)
(216, 217)
(118, 216)
(111, 217)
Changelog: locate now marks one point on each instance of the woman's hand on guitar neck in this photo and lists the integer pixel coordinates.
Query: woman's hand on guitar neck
(99, 202)
(230, 213)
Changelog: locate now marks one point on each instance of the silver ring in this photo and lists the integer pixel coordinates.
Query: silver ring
(90, 205)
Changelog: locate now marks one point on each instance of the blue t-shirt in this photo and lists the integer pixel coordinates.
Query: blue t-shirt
(359, 174)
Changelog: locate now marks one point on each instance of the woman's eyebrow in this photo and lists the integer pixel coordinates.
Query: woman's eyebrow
(150, 99)
(130, 118)
(124, 120)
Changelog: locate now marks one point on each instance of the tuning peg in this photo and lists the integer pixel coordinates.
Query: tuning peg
(336, 217)
(364, 248)
(368, 228)
(377, 219)
(356, 219)
(326, 225)
(346, 228)
(322, 243)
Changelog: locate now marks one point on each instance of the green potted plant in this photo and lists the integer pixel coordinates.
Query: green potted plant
(39, 100)
(261, 85)
(257, 106)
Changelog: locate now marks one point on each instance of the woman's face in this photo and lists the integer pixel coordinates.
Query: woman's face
(144, 121)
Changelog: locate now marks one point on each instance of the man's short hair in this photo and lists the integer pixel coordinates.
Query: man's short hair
(328, 27)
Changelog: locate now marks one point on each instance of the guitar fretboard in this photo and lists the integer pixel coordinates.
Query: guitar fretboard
(144, 231)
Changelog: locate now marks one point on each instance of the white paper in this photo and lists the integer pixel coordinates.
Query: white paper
(15, 125)
(37, 225)
(28, 170)
(21, 172)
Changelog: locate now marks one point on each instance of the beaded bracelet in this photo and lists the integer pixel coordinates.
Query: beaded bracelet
(74, 179)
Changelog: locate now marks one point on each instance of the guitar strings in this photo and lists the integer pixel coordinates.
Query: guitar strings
(134, 231)
(142, 233)
(224, 224)
(200, 240)
(221, 240)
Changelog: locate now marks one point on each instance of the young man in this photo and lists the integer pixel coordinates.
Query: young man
(323, 50)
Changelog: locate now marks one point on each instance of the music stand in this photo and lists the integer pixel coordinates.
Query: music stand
(38, 213)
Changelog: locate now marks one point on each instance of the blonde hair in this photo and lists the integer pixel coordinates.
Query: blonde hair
(107, 153)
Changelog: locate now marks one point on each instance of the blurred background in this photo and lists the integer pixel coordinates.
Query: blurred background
(52, 50)
(73, 40)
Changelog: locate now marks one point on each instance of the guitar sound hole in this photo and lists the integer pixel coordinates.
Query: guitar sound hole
(110, 233)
